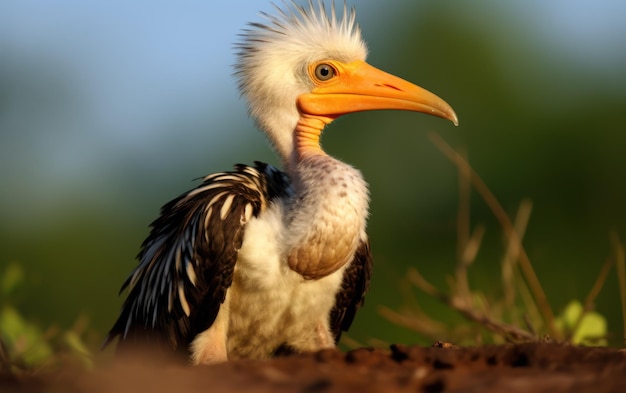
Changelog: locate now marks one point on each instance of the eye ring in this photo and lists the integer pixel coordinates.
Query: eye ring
(324, 72)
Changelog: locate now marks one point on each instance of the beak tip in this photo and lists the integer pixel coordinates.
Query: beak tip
(451, 115)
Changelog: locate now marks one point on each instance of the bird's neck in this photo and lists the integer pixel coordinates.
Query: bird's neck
(328, 213)
(306, 138)
(307, 135)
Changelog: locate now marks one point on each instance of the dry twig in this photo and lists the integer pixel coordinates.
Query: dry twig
(511, 256)
(591, 297)
(620, 261)
(513, 333)
(507, 227)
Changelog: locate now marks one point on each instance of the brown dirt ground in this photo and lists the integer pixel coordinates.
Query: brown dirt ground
(533, 367)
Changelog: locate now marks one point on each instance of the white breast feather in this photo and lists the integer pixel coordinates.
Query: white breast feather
(269, 303)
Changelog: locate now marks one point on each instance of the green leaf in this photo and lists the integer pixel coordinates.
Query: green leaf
(24, 340)
(592, 329)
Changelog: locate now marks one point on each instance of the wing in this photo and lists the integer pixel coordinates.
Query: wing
(351, 296)
(187, 262)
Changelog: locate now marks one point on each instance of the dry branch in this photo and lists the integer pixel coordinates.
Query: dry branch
(507, 227)
(513, 333)
(620, 261)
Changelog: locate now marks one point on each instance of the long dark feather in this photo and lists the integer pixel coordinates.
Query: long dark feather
(351, 296)
(186, 264)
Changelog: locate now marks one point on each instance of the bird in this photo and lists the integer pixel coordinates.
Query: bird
(259, 261)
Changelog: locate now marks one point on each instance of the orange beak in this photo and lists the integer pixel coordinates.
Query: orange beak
(357, 86)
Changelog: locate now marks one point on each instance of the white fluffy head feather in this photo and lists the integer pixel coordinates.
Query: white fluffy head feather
(273, 56)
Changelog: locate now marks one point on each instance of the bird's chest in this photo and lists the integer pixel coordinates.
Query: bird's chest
(291, 262)
(270, 304)
(327, 219)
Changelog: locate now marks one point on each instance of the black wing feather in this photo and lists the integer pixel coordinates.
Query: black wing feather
(351, 296)
(187, 262)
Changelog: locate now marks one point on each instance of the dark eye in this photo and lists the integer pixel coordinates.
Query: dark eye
(324, 72)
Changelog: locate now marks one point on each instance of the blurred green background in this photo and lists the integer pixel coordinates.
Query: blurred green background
(110, 109)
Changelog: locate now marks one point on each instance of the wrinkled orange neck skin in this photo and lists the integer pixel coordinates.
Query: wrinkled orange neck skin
(307, 135)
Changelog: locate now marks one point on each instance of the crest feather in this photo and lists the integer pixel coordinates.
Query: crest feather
(297, 32)
(273, 56)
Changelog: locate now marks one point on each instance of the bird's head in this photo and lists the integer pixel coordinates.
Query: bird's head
(306, 66)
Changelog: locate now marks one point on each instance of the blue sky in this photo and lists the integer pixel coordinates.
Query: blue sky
(139, 66)
(133, 59)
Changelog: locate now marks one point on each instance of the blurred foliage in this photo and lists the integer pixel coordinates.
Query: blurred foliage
(521, 312)
(24, 346)
(24, 342)
(534, 121)
(590, 330)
